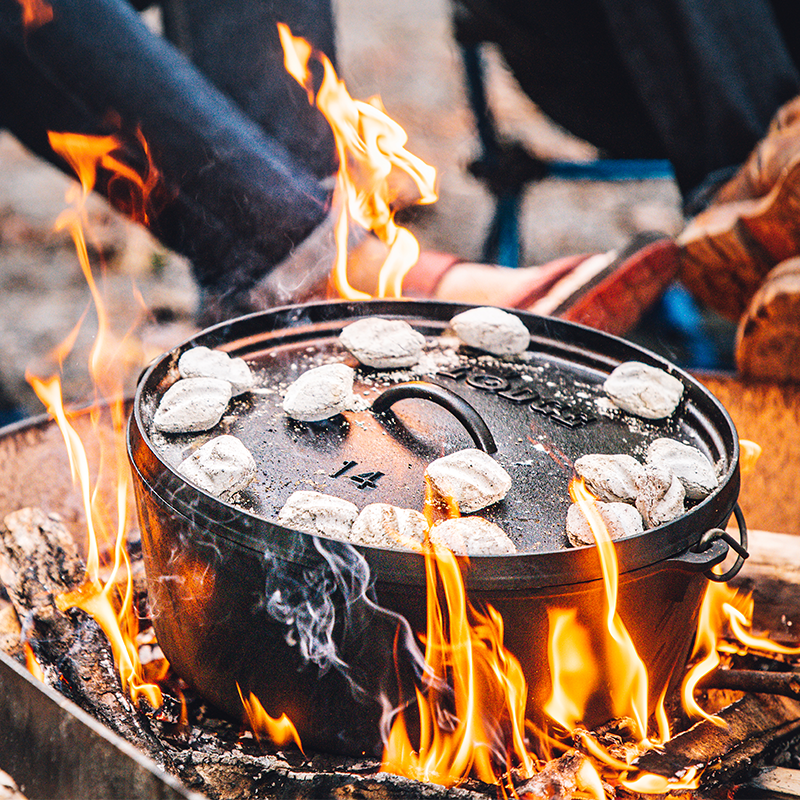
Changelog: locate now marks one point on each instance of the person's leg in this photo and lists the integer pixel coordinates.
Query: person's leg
(235, 44)
(231, 198)
(694, 81)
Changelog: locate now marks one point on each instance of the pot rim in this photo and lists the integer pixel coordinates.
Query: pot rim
(244, 528)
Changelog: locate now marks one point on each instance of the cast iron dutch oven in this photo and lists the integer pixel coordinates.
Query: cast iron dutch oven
(317, 628)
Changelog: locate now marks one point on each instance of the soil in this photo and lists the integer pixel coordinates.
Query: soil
(405, 53)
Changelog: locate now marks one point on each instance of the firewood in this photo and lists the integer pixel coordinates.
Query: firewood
(754, 727)
(786, 684)
(777, 783)
(38, 561)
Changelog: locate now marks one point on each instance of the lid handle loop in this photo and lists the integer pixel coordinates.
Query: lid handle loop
(455, 404)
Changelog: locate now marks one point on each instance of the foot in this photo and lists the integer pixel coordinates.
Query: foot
(752, 225)
(608, 291)
(768, 337)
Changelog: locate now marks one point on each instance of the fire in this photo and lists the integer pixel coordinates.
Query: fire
(35, 13)
(572, 662)
(109, 601)
(370, 146)
(32, 663)
(572, 669)
(279, 731)
(724, 610)
(472, 702)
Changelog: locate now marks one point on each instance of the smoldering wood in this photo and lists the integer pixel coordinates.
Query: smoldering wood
(755, 727)
(786, 684)
(38, 561)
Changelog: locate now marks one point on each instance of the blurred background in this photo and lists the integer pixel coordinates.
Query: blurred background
(405, 53)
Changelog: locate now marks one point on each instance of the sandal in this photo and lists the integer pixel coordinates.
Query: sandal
(608, 291)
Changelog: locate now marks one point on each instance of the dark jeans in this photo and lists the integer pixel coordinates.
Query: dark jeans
(239, 149)
(692, 81)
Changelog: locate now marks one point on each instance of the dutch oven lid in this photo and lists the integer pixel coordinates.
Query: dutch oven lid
(544, 409)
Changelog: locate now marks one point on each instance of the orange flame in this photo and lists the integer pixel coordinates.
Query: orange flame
(472, 702)
(32, 663)
(109, 602)
(370, 146)
(723, 608)
(35, 13)
(279, 731)
(574, 668)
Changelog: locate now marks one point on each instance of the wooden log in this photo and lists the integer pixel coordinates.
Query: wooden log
(786, 684)
(754, 727)
(776, 783)
(38, 561)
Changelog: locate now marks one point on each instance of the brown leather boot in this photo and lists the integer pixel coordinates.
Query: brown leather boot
(771, 156)
(727, 250)
(768, 338)
(752, 225)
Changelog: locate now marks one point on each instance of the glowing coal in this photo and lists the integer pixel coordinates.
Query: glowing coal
(643, 390)
(491, 329)
(383, 343)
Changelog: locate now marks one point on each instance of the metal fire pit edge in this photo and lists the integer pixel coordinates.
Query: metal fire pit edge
(56, 751)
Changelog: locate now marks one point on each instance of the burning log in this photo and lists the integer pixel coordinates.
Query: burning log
(39, 561)
(785, 684)
(754, 728)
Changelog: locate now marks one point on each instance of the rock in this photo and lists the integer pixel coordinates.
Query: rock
(611, 478)
(644, 390)
(470, 477)
(202, 362)
(621, 519)
(694, 470)
(491, 329)
(471, 536)
(221, 467)
(320, 393)
(383, 343)
(660, 496)
(384, 525)
(319, 514)
(192, 404)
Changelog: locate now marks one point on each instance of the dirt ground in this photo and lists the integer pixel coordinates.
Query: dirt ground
(405, 53)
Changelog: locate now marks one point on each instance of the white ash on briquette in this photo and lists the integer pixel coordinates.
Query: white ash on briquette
(222, 466)
(192, 405)
(611, 478)
(203, 362)
(491, 329)
(384, 525)
(321, 393)
(660, 497)
(643, 390)
(383, 343)
(319, 514)
(471, 536)
(471, 477)
(694, 470)
(621, 519)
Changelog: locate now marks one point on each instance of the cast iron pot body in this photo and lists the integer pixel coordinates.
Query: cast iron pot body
(318, 628)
